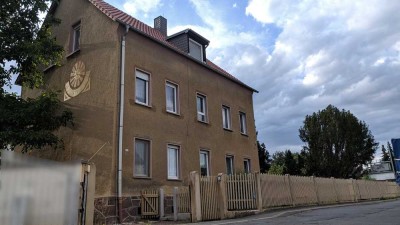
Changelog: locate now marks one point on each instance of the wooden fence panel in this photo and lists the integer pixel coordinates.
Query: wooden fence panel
(241, 192)
(149, 203)
(303, 190)
(183, 199)
(326, 191)
(274, 190)
(209, 198)
(344, 189)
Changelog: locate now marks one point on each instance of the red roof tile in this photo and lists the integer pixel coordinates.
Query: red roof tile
(118, 15)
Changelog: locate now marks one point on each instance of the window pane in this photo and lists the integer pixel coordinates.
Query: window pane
(142, 158)
(229, 165)
(226, 117)
(141, 90)
(247, 165)
(201, 108)
(195, 50)
(243, 127)
(173, 162)
(77, 34)
(204, 164)
(171, 98)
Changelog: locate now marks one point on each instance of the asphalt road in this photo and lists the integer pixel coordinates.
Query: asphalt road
(373, 213)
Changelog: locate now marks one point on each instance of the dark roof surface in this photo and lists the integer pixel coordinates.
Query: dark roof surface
(137, 25)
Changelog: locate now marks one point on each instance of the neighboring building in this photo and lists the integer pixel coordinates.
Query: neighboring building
(179, 113)
(382, 171)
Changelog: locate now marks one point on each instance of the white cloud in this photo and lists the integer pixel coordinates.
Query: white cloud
(345, 53)
(133, 7)
(234, 5)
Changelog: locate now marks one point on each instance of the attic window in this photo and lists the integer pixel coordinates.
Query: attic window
(195, 50)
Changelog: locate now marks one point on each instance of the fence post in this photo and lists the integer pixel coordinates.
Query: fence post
(161, 199)
(290, 189)
(221, 178)
(175, 203)
(334, 187)
(259, 196)
(315, 189)
(194, 184)
(355, 199)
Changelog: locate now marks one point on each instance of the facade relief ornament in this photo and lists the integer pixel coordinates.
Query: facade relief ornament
(79, 81)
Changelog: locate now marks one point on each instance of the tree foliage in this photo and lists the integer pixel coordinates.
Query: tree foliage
(337, 144)
(24, 122)
(264, 157)
(385, 154)
(287, 163)
(26, 43)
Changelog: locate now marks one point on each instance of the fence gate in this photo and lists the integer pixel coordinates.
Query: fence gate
(241, 192)
(149, 203)
(209, 198)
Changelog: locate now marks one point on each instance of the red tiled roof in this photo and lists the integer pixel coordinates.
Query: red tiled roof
(118, 15)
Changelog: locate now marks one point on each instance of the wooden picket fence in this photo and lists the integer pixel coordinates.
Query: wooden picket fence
(241, 191)
(224, 195)
(183, 199)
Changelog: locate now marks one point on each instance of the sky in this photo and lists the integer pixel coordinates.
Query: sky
(301, 55)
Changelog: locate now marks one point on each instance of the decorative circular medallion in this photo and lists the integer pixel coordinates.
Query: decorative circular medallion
(77, 75)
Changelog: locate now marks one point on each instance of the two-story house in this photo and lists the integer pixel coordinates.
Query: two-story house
(148, 107)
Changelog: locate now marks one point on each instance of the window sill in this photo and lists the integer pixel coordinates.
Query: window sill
(172, 179)
(49, 68)
(227, 129)
(140, 177)
(244, 134)
(142, 104)
(203, 122)
(173, 113)
(73, 53)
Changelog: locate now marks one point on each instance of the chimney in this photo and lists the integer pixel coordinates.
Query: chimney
(160, 24)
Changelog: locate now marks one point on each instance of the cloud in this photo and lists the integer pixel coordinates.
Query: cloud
(134, 7)
(345, 53)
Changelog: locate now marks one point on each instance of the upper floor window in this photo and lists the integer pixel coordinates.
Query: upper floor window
(226, 117)
(201, 108)
(243, 125)
(142, 158)
(171, 94)
(142, 87)
(76, 35)
(195, 50)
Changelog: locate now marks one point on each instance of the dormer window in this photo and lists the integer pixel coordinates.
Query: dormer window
(195, 50)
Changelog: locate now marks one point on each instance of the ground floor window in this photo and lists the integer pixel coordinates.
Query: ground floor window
(204, 163)
(229, 164)
(246, 165)
(142, 158)
(173, 162)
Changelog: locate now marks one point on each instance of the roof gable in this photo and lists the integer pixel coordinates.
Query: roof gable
(137, 25)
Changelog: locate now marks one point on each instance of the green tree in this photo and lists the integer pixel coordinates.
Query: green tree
(337, 144)
(287, 162)
(27, 44)
(264, 157)
(276, 169)
(385, 154)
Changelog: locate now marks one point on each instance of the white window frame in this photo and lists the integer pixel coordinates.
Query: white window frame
(175, 87)
(207, 154)
(243, 122)
(226, 117)
(76, 28)
(135, 174)
(177, 161)
(231, 162)
(200, 114)
(201, 49)
(140, 74)
(248, 169)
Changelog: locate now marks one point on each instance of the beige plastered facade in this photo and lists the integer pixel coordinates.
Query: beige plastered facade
(96, 111)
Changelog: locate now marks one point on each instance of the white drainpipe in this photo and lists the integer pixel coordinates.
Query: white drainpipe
(121, 122)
